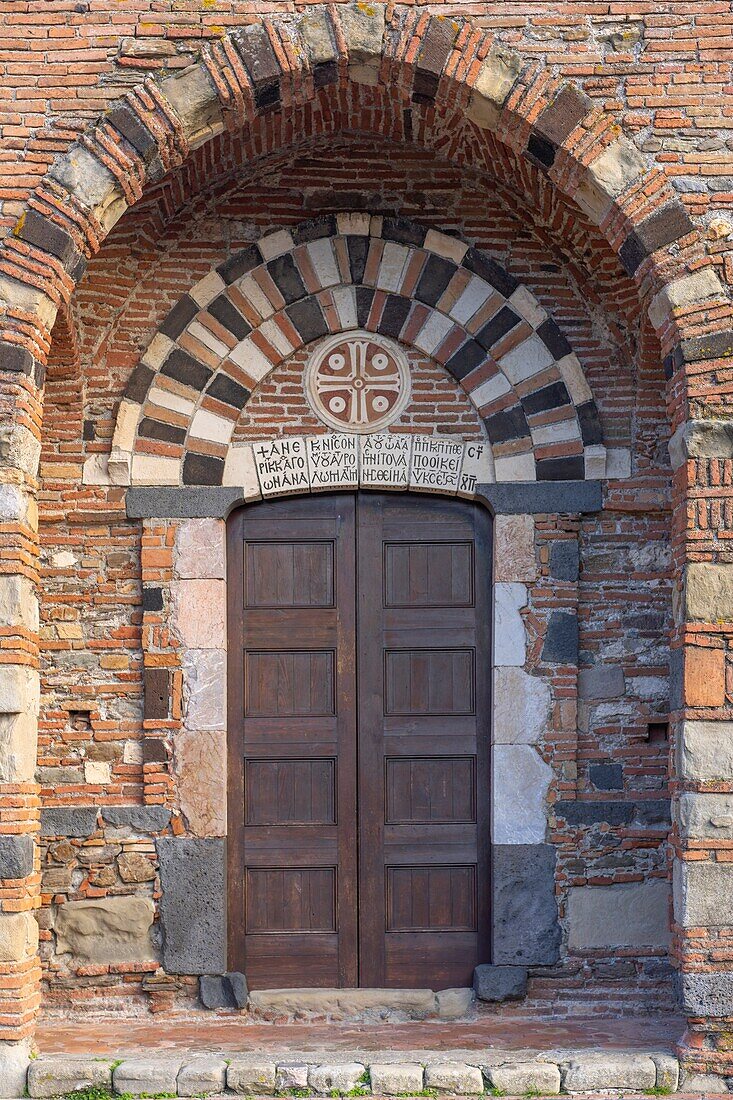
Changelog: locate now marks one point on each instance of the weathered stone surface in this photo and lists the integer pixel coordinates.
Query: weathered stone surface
(199, 613)
(561, 639)
(703, 894)
(19, 689)
(520, 782)
(709, 592)
(525, 1078)
(68, 821)
(341, 1077)
(240, 470)
(708, 994)
(255, 1077)
(514, 557)
(343, 1002)
(204, 677)
(706, 750)
(702, 1084)
(565, 560)
(91, 183)
(493, 85)
(702, 815)
(510, 646)
(601, 682)
(16, 856)
(200, 764)
(395, 1079)
(684, 292)
(607, 176)
(18, 740)
(18, 936)
(500, 983)
(59, 1075)
(202, 1075)
(521, 706)
(647, 811)
(668, 1070)
(200, 550)
(701, 439)
(291, 1075)
(14, 1063)
(526, 929)
(455, 1078)
(224, 990)
(363, 27)
(148, 1076)
(107, 930)
(139, 819)
(622, 915)
(589, 1071)
(135, 867)
(196, 103)
(18, 602)
(453, 1004)
(193, 905)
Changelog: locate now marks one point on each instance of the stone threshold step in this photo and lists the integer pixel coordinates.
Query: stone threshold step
(337, 1074)
(411, 1004)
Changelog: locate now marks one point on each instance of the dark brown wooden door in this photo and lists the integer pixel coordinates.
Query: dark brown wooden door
(359, 741)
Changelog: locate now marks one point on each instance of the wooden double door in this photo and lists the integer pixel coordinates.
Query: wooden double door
(359, 704)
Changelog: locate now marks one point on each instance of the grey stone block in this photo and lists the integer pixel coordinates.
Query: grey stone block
(192, 905)
(69, 821)
(668, 1070)
(565, 560)
(58, 1075)
(591, 1072)
(651, 812)
(16, 856)
(526, 931)
(620, 915)
(202, 1076)
(601, 682)
(251, 1076)
(607, 777)
(224, 990)
(500, 983)
(14, 1065)
(396, 1078)
(525, 1078)
(343, 1077)
(291, 1075)
(705, 815)
(193, 502)
(454, 1078)
(150, 1076)
(141, 819)
(561, 639)
(703, 894)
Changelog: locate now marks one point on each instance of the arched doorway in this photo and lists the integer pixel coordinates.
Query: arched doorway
(359, 741)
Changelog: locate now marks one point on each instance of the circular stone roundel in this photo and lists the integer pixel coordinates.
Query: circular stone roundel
(358, 382)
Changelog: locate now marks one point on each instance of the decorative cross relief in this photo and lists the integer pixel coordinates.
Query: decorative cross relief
(358, 382)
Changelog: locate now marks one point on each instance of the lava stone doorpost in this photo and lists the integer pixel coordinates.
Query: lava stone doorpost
(359, 730)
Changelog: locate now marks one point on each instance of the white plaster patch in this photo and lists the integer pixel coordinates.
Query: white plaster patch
(520, 783)
(510, 645)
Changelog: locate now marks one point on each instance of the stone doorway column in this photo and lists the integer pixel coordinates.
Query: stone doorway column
(20, 419)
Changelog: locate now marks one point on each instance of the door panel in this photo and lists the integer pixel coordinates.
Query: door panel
(423, 681)
(292, 853)
(359, 741)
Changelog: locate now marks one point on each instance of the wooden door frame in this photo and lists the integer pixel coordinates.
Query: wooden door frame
(234, 827)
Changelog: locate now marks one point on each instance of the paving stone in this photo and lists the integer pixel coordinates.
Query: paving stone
(251, 1077)
(500, 983)
(150, 1075)
(340, 1077)
(59, 1074)
(456, 1078)
(291, 1075)
(417, 1003)
(525, 1078)
(590, 1071)
(202, 1075)
(396, 1078)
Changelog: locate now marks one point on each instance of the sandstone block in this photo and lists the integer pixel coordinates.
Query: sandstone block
(417, 1003)
(18, 742)
(709, 592)
(339, 1077)
(701, 439)
(608, 176)
(59, 1075)
(363, 27)
(18, 602)
(91, 183)
(200, 550)
(148, 1076)
(493, 85)
(18, 936)
(456, 1078)
(623, 915)
(453, 1004)
(19, 690)
(706, 750)
(19, 448)
(396, 1078)
(703, 894)
(135, 867)
(314, 27)
(14, 1063)
(251, 1077)
(704, 677)
(684, 292)
(525, 1078)
(202, 1075)
(588, 1072)
(701, 815)
(194, 99)
(108, 930)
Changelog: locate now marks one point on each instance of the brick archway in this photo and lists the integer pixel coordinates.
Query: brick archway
(283, 62)
(355, 271)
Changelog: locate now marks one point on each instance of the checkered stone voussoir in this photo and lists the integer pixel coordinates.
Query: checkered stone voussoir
(429, 291)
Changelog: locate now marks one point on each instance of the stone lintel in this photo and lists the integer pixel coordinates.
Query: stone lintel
(503, 498)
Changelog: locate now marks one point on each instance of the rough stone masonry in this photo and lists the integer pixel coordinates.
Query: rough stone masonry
(524, 212)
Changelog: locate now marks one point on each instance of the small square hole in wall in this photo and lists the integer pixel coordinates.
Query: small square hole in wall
(80, 720)
(657, 732)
